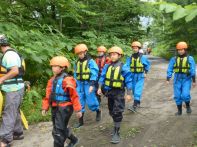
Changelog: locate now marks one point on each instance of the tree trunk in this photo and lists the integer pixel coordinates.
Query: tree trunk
(53, 15)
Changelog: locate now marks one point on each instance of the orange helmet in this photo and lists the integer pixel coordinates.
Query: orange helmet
(80, 48)
(59, 61)
(101, 49)
(116, 49)
(136, 43)
(181, 45)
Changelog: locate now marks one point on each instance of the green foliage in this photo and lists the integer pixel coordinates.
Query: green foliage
(189, 11)
(168, 7)
(192, 13)
(32, 105)
(37, 48)
(164, 51)
(174, 23)
(40, 30)
(37, 13)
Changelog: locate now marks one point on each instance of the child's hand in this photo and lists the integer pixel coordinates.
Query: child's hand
(145, 75)
(27, 85)
(79, 114)
(167, 82)
(128, 98)
(99, 92)
(194, 84)
(91, 89)
(44, 112)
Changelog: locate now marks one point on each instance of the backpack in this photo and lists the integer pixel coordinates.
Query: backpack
(4, 70)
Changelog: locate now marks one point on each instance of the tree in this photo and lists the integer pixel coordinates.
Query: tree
(174, 23)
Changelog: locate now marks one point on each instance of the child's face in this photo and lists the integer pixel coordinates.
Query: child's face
(181, 52)
(56, 70)
(114, 56)
(100, 53)
(81, 55)
(135, 49)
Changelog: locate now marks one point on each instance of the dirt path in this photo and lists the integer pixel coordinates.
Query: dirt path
(153, 126)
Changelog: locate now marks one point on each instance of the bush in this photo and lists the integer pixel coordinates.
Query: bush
(164, 51)
(38, 47)
(32, 105)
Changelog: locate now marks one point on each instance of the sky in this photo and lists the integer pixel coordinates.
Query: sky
(146, 21)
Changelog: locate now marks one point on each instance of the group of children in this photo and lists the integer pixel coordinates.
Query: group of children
(112, 78)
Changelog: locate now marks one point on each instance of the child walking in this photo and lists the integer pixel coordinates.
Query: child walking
(101, 60)
(86, 74)
(113, 80)
(62, 96)
(139, 66)
(184, 68)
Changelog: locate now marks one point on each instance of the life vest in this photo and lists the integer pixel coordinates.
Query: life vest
(4, 70)
(136, 65)
(113, 76)
(83, 71)
(58, 94)
(101, 62)
(181, 65)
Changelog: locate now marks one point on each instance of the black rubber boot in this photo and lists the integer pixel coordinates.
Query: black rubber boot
(188, 108)
(179, 107)
(133, 108)
(116, 136)
(73, 141)
(80, 121)
(18, 136)
(138, 104)
(98, 115)
(112, 132)
(99, 99)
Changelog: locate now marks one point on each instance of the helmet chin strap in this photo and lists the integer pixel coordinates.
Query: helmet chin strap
(100, 55)
(61, 72)
(85, 57)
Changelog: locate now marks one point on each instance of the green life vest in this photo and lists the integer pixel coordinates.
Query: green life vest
(113, 76)
(136, 65)
(181, 65)
(83, 71)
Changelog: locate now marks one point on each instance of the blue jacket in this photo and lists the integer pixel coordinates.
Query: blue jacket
(143, 60)
(127, 75)
(192, 70)
(94, 70)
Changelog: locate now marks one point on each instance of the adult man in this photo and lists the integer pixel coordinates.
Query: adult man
(13, 86)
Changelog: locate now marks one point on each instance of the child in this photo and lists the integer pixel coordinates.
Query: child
(138, 65)
(86, 74)
(101, 60)
(184, 68)
(62, 96)
(114, 78)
